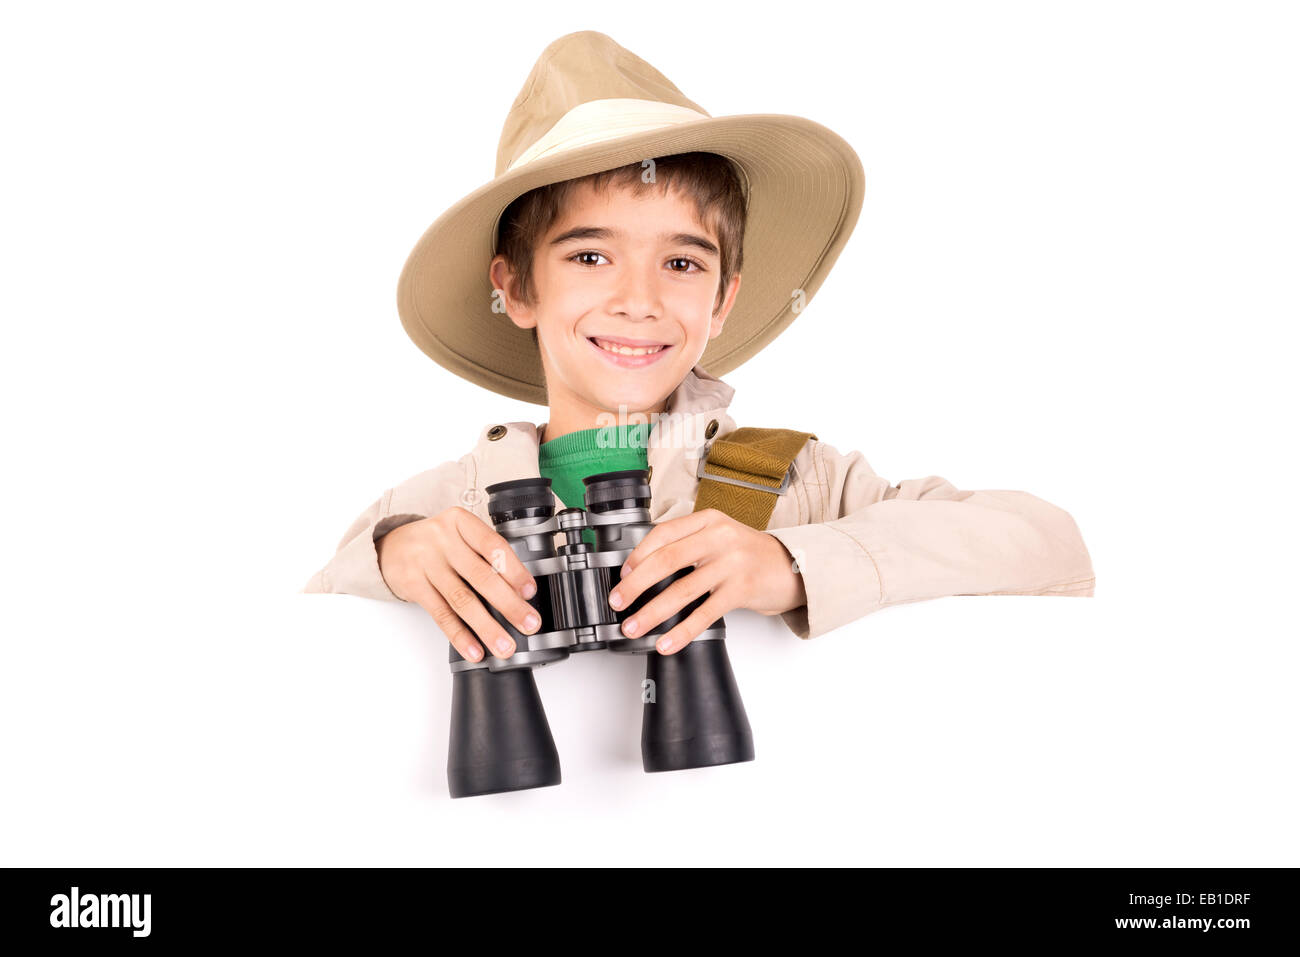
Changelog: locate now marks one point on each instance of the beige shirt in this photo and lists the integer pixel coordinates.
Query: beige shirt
(860, 543)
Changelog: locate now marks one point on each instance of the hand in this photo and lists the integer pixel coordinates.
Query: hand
(430, 563)
(739, 566)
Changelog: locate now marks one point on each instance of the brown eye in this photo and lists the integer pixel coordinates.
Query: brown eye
(689, 263)
(588, 252)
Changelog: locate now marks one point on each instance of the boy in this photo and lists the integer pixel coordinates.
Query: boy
(611, 242)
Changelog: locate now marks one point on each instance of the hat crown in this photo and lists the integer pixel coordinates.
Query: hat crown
(579, 68)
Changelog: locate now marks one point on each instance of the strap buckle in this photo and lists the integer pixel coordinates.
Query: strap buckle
(700, 473)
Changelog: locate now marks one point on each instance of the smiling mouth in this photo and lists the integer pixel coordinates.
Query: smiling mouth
(621, 349)
(630, 357)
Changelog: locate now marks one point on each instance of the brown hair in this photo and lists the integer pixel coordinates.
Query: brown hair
(708, 179)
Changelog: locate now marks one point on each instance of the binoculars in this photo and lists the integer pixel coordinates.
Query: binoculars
(692, 716)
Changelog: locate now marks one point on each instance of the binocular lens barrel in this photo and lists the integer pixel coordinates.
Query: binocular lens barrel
(500, 739)
(696, 719)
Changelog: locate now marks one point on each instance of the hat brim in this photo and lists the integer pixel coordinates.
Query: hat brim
(805, 186)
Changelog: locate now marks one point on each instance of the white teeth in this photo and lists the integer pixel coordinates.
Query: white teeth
(627, 350)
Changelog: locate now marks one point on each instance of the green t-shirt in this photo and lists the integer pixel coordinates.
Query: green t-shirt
(566, 461)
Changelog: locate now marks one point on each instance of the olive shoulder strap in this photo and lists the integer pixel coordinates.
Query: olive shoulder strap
(745, 470)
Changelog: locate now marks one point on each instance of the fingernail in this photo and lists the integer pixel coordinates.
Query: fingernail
(531, 622)
(530, 590)
(615, 600)
(629, 627)
(472, 654)
(665, 645)
(503, 645)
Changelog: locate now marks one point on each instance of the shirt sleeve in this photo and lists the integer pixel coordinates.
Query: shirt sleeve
(870, 544)
(354, 569)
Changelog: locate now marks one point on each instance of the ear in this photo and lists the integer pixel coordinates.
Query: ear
(503, 282)
(719, 317)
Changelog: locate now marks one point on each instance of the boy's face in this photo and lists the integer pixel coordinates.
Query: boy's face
(617, 267)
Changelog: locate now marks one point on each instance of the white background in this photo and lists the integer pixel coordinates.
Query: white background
(1075, 274)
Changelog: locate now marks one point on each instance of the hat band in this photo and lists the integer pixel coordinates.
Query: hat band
(599, 120)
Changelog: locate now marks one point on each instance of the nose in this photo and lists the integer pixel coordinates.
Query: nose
(637, 295)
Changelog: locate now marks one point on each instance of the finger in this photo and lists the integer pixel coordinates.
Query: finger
(491, 587)
(665, 533)
(656, 567)
(683, 633)
(456, 592)
(447, 620)
(670, 601)
(486, 541)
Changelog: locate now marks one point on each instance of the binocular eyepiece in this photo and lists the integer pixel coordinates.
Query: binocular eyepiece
(500, 740)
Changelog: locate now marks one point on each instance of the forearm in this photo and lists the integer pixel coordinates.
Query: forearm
(899, 551)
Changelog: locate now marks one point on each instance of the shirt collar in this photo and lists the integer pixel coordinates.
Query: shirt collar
(700, 392)
(508, 450)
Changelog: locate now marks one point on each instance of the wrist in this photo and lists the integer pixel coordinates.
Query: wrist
(789, 592)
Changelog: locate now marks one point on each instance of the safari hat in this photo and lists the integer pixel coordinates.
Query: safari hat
(590, 105)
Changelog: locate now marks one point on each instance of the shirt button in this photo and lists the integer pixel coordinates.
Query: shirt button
(712, 429)
(496, 432)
